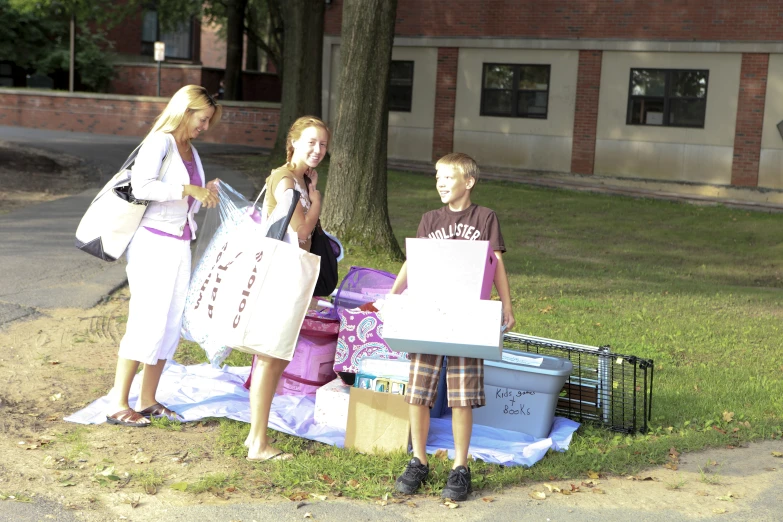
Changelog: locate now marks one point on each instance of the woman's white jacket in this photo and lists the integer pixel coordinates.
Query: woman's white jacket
(167, 210)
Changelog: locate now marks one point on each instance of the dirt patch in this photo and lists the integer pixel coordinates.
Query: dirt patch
(29, 176)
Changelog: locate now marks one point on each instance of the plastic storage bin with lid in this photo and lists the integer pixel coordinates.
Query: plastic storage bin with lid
(522, 391)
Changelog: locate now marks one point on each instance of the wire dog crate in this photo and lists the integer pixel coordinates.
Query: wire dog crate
(604, 388)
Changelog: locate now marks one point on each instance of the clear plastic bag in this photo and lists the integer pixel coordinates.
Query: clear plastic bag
(234, 215)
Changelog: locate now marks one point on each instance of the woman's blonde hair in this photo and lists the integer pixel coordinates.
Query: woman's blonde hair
(189, 99)
(295, 132)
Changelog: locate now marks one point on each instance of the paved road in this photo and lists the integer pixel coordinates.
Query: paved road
(41, 267)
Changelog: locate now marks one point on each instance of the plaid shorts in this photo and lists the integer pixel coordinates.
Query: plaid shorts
(464, 380)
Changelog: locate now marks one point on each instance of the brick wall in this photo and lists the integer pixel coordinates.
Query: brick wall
(213, 49)
(588, 87)
(127, 35)
(445, 99)
(723, 20)
(750, 117)
(242, 124)
(142, 79)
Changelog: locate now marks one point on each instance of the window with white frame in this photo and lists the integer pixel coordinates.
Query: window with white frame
(517, 91)
(668, 97)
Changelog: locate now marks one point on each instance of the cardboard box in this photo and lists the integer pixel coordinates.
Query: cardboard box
(459, 327)
(377, 422)
(522, 392)
(450, 268)
(331, 404)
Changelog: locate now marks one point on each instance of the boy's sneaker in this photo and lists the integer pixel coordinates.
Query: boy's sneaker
(415, 473)
(458, 485)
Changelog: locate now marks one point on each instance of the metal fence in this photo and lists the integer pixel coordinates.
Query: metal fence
(604, 388)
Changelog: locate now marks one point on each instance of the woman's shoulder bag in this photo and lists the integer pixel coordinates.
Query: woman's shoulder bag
(112, 218)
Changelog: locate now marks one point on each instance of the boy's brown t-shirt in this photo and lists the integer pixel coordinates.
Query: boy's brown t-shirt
(475, 223)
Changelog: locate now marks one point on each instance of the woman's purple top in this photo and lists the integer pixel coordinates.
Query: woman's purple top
(195, 179)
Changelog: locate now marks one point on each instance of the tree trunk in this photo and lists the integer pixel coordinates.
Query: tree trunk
(252, 56)
(303, 43)
(355, 205)
(235, 30)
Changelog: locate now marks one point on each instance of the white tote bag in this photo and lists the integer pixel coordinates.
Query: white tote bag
(256, 294)
(112, 218)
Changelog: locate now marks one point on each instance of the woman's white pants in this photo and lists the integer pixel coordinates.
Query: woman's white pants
(158, 275)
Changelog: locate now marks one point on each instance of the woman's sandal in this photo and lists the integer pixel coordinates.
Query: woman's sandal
(281, 455)
(129, 417)
(158, 411)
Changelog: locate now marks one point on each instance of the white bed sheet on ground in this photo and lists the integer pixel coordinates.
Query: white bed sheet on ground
(200, 391)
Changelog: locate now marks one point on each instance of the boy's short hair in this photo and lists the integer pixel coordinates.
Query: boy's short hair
(461, 162)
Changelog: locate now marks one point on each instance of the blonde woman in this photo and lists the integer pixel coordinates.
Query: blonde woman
(306, 146)
(159, 254)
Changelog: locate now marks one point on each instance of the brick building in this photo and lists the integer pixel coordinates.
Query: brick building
(194, 54)
(662, 90)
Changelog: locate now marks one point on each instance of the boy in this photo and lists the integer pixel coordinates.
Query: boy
(456, 176)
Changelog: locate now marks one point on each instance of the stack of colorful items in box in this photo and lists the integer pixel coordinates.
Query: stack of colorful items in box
(355, 360)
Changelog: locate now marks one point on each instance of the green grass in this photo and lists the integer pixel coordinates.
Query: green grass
(149, 480)
(695, 288)
(214, 483)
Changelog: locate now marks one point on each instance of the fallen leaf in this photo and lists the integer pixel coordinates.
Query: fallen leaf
(565, 491)
(593, 475)
(142, 458)
(670, 466)
(551, 488)
(574, 488)
(410, 503)
(450, 504)
(179, 486)
(719, 511)
(599, 491)
(441, 454)
(308, 515)
(318, 497)
(777, 454)
(728, 416)
(353, 483)
(52, 418)
(770, 469)
(326, 478)
(546, 309)
(134, 502)
(298, 496)
(719, 430)
(537, 495)
(55, 361)
(56, 397)
(487, 499)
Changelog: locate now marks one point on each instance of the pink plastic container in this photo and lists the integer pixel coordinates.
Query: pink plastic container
(311, 367)
(313, 359)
